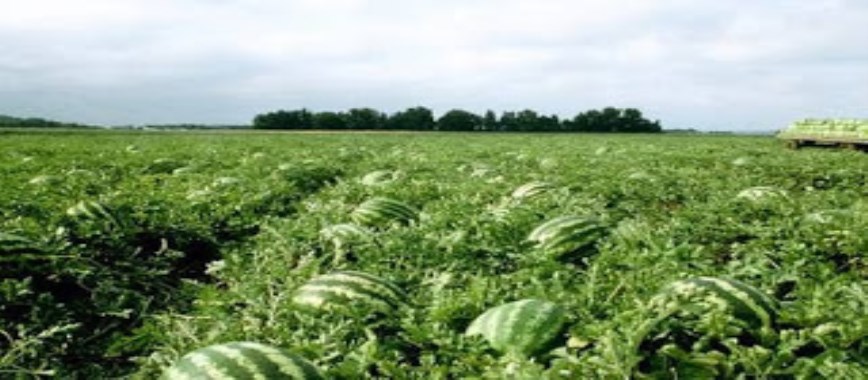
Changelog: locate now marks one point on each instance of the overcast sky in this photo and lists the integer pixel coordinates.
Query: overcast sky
(706, 64)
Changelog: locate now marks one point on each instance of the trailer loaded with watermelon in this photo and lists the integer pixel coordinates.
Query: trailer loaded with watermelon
(848, 133)
(499, 257)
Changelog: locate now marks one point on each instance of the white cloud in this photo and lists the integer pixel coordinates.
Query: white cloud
(691, 63)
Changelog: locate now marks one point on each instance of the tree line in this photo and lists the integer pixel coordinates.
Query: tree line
(35, 122)
(609, 119)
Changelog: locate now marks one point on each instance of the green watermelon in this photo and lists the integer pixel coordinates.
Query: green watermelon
(761, 193)
(526, 327)
(378, 177)
(162, 166)
(45, 180)
(339, 290)
(344, 232)
(378, 211)
(14, 244)
(531, 189)
(89, 210)
(567, 234)
(241, 361)
(683, 334)
(746, 302)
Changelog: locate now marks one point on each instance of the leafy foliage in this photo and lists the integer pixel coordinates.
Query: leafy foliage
(212, 248)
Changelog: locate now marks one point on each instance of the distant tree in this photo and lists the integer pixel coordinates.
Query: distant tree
(297, 119)
(459, 120)
(527, 121)
(329, 120)
(509, 122)
(364, 119)
(550, 123)
(489, 122)
(635, 122)
(35, 122)
(608, 119)
(612, 119)
(415, 118)
(593, 121)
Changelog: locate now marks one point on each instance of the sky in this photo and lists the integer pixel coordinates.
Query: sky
(706, 64)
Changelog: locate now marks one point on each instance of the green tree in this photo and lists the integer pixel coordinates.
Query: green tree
(489, 122)
(527, 120)
(608, 119)
(509, 121)
(550, 123)
(611, 119)
(329, 120)
(297, 119)
(459, 120)
(364, 119)
(414, 118)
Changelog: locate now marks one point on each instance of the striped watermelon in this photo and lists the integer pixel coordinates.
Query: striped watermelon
(339, 290)
(14, 244)
(241, 361)
(746, 302)
(378, 211)
(531, 189)
(567, 234)
(524, 327)
(344, 232)
(90, 210)
(378, 177)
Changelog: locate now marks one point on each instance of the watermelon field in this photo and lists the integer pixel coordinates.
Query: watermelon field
(430, 256)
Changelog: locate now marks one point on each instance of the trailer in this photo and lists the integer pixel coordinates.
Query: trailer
(844, 133)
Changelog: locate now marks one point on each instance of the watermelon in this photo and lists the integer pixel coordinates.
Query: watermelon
(241, 361)
(525, 328)
(14, 244)
(685, 336)
(339, 290)
(746, 302)
(760, 193)
(567, 234)
(378, 177)
(90, 210)
(45, 180)
(225, 181)
(378, 211)
(344, 232)
(531, 189)
(183, 170)
(162, 166)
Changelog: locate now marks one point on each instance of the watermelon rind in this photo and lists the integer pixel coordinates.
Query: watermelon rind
(343, 289)
(746, 302)
(567, 234)
(531, 189)
(241, 361)
(526, 327)
(376, 211)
